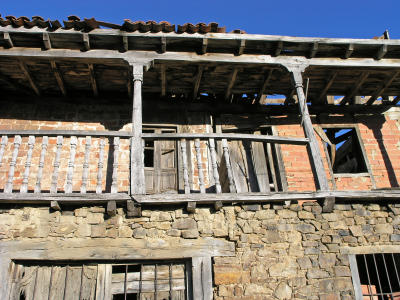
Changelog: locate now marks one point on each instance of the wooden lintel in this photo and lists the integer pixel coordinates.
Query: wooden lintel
(55, 205)
(163, 46)
(314, 49)
(46, 41)
(28, 76)
(204, 46)
(111, 208)
(125, 42)
(191, 207)
(8, 40)
(356, 88)
(242, 46)
(231, 83)
(197, 81)
(381, 52)
(86, 41)
(93, 80)
(278, 49)
(329, 83)
(163, 80)
(59, 78)
(267, 78)
(349, 51)
(382, 89)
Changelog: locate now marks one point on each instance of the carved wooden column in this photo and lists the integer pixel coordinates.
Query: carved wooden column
(315, 154)
(137, 156)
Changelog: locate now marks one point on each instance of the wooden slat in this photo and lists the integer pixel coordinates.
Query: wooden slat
(231, 83)
(114, 184)
(71, 164)
(197, 81)
(42, 283)
(260, 166)
(214, 165)
(38, 185)
(9, 185)
(3, 144)
(73, 282)
(88, 286)
(93, 80)
(28, 76)
(59, 77)
(56, 165)
(85, 167)
(356, 88)
(57, 282)
(349, 51)
(225, 149)
(379, 92)
(185, 167)
(99, 186)
(199, 165)
(31, 144)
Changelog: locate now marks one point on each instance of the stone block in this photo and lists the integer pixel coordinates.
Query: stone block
(305, 228)
(230, 274)
(395, 238)
(316, 273)
(139, 233)
(98, 231)
(125, 232)
(184, 224)
(283, 291)
(95, 218)
(304, 262)
(342, 271)
(330, 217)
(271, 237)
(304, 215)
(83, 230)
(190, 234)
(356, 230)
(81, 212)
(384, 229)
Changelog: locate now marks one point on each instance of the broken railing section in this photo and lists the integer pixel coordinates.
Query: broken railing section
(295, 71)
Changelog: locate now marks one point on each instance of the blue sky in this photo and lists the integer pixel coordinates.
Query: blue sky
(323, 18)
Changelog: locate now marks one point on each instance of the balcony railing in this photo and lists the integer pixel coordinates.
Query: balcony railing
(89, 163)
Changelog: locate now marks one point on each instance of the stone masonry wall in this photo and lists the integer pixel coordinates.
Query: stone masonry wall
(294, 252)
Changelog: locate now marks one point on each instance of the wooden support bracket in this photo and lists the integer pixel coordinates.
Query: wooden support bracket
(46, 41)
(218, 205)
(191, 207)
(133, 210)
(111, 208)
(328, 204)
(204, 46)
(8, 40)
(55, 205)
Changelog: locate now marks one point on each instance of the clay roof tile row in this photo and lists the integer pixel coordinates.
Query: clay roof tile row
(87, 25)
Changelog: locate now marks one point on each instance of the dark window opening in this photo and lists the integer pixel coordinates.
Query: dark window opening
(379, 275)
(344, 151)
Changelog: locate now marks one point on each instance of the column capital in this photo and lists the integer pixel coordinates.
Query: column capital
(296, 67)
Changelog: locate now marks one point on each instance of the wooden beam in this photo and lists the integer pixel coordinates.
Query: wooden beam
(46, 41)
(93, 80)
(267, 78)
(349, 51)
(163, 81)
(197, 81)
(382, 89)
(59, 78)
(112, 208)
(356, 88)
(278, 49)
(242, 45)
(329, 83)
(381, 52)
(133, 210)
(231, 83)
(55, 205)
(289, 97)
(86, 41)
(328, 204)
(7, 39)
(12, 83)
(163, 45)
(28, 76)
(204, 46)
(191, 207)
(125, 42)
(314, 49)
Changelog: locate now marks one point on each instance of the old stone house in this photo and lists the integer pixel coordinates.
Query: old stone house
(154, 161)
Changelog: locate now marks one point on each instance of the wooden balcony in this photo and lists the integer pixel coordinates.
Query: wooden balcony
(96, 167)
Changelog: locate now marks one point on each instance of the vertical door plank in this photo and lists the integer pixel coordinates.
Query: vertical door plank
(73, 282)
(88, 286)
(57, 283)
(260, 166)
(42, 283)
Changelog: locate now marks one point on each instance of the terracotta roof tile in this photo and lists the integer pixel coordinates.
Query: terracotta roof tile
(74, 22)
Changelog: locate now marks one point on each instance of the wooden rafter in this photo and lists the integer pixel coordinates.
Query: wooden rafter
(356, 88)
(382, 89)
(28, 76)
(204, 46)
(46, 41)
(86, 41)
(232, 80)
(349, 51)
(381, 52)
(93, 80)
(197, 81)
(59, 78)
(267, 78)
(278, 49)
(289, 97)
(314, 49)
(163, 45)
(329, 83)
(163, 80)
(125, 42)
(8, 40)
(242, 45)
(12, 83)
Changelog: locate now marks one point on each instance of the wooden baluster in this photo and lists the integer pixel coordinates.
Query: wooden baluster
(272, 166)
(114, 184)
(25, 179)
(4, 141)
(85, 171)
(214, 165)
(99, 186)
(45, 142)
(199, 167)
(71, 163)
(56, 165)
(225, 149)
(9, 185)
(185, 167)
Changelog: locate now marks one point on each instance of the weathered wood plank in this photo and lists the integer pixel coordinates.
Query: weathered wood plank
(42, 283)
(214, 165)
(9, 185)
(57, 282)
(228, 92)
(361, 79)
(185, 167)
(93, 81)
(3, 144)
(114, 184)
(263, 88)
(379, 92)
(46, 41)
(197, 81)
(232, 187)
(73, 282)
(59, 77)
(88, 286)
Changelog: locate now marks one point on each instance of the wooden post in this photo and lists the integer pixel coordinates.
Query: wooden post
(315, 155)
(137, 156)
